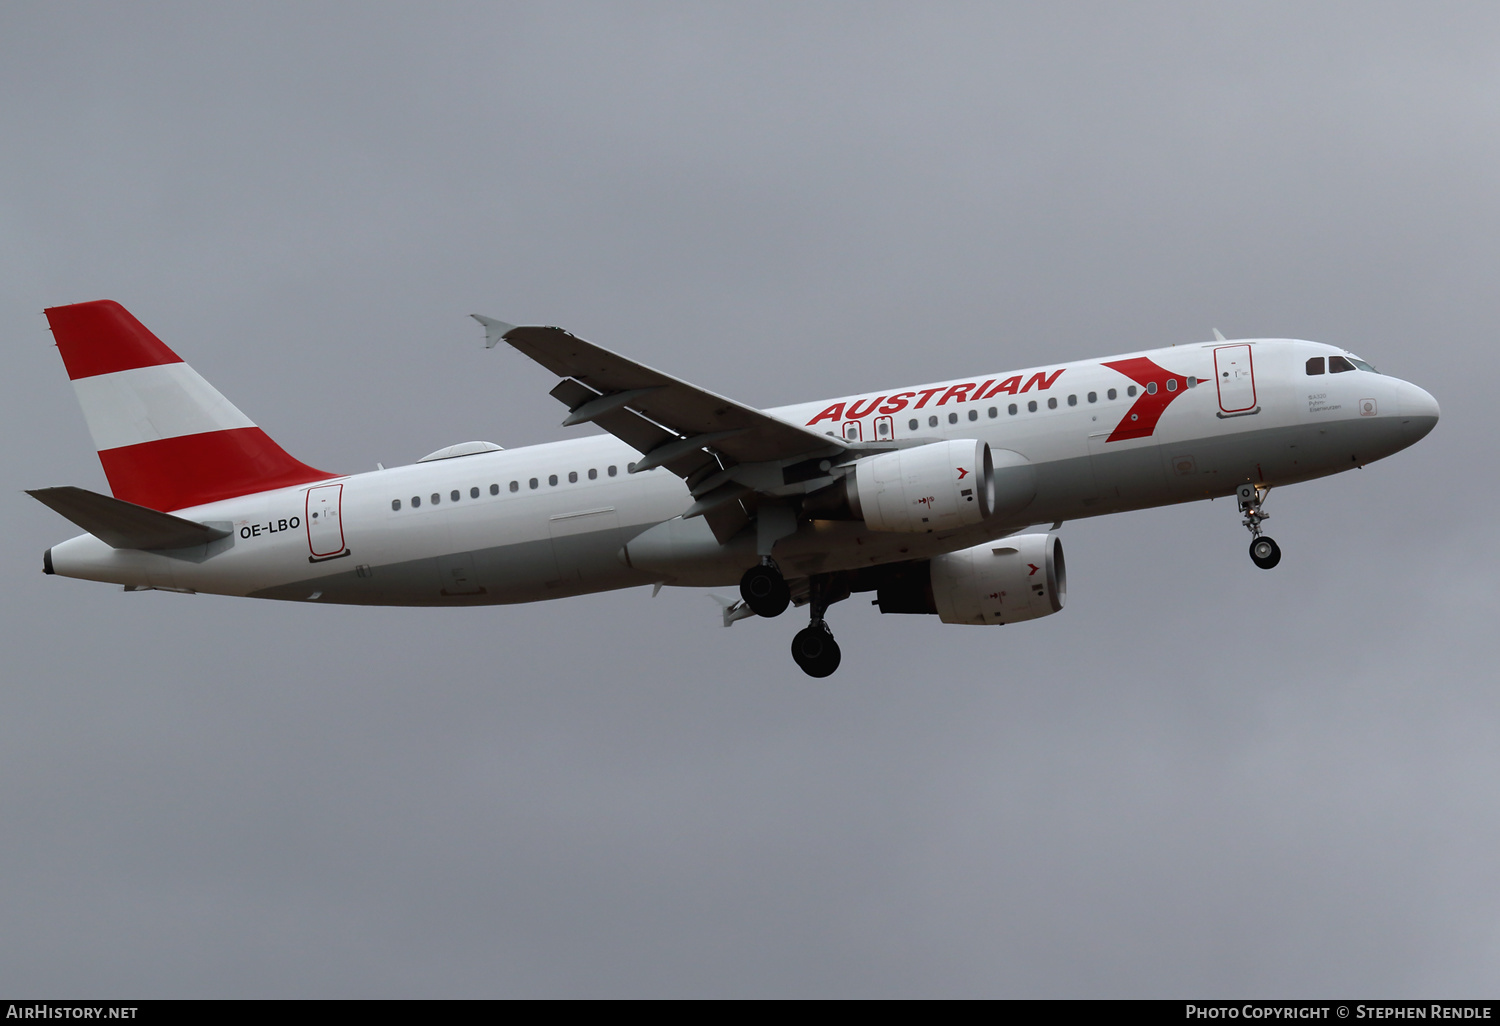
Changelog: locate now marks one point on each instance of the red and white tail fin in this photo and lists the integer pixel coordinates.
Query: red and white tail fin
(166, 437)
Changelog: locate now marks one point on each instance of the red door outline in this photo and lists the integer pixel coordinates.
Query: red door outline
(1227, 371)
(323, 508)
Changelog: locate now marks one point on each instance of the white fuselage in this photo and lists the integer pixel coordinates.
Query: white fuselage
(561, 518)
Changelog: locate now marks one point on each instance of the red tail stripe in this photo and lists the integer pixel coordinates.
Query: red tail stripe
(102, 337)
(172, 473)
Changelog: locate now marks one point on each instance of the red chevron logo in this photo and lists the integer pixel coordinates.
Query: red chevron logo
(1158, 388)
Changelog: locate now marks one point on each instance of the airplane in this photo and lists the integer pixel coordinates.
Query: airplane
(929, 495)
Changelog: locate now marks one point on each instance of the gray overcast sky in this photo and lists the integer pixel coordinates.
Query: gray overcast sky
(1198, 780)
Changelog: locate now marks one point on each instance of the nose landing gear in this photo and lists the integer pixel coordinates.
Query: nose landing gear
(1264, 552)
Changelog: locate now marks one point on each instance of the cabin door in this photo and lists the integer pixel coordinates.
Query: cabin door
(325, 525)
(1234, 369)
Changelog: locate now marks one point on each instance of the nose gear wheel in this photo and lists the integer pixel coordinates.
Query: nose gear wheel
(1265, 553)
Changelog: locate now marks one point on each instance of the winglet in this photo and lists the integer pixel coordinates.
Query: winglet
(1220, 335)
(494, 330)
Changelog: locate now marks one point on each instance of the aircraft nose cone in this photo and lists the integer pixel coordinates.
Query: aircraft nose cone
(1419, 411)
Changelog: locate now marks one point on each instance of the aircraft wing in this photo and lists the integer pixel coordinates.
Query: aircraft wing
(698, 435)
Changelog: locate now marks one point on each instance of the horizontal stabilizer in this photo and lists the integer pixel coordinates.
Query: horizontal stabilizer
(124, 525)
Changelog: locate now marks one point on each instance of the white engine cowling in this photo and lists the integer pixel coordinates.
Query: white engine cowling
(1003, 581)
(935, 487)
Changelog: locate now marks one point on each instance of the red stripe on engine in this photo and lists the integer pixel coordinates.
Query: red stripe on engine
(189, 470)
(102, 337)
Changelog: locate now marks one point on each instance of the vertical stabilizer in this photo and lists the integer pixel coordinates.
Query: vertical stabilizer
(166, 437)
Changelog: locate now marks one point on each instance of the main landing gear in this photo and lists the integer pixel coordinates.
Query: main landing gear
(765, 591)
(767, 594)
(1264, 552)
(813, 649)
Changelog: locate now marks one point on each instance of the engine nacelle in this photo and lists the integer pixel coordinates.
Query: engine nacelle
(1002, 581)
(934, 487)
(887, 491)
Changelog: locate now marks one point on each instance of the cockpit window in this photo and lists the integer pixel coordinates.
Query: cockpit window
(1337, 365)
(1315, 365)
(1362, 365)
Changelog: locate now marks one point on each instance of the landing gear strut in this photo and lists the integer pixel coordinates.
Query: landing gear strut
(764, 590)
(1264, 552)
(813, 649)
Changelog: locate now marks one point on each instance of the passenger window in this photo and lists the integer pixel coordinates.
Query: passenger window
(1011, 409)
(973, 414)
(1130, 390)
(1150, 388)
(552, 480)
(913, 424)
(453, 495)
(416, 500)
(515, 486)
(395, 504)
(436, 498)
(1111, 394)
(952, 418)
(1052, 403)
(1031, 406)
(1337, 365)
(495, 489)
(474, 492)
(572, 477)
(1171, 384)
(1072, 400)
(532, 482)
(932, 422)
(593, 473)
(994, 413)
(1093, 397)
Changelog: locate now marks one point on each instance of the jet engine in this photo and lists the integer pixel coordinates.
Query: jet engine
(932, 487)
(1002, 581)
(935, 487)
